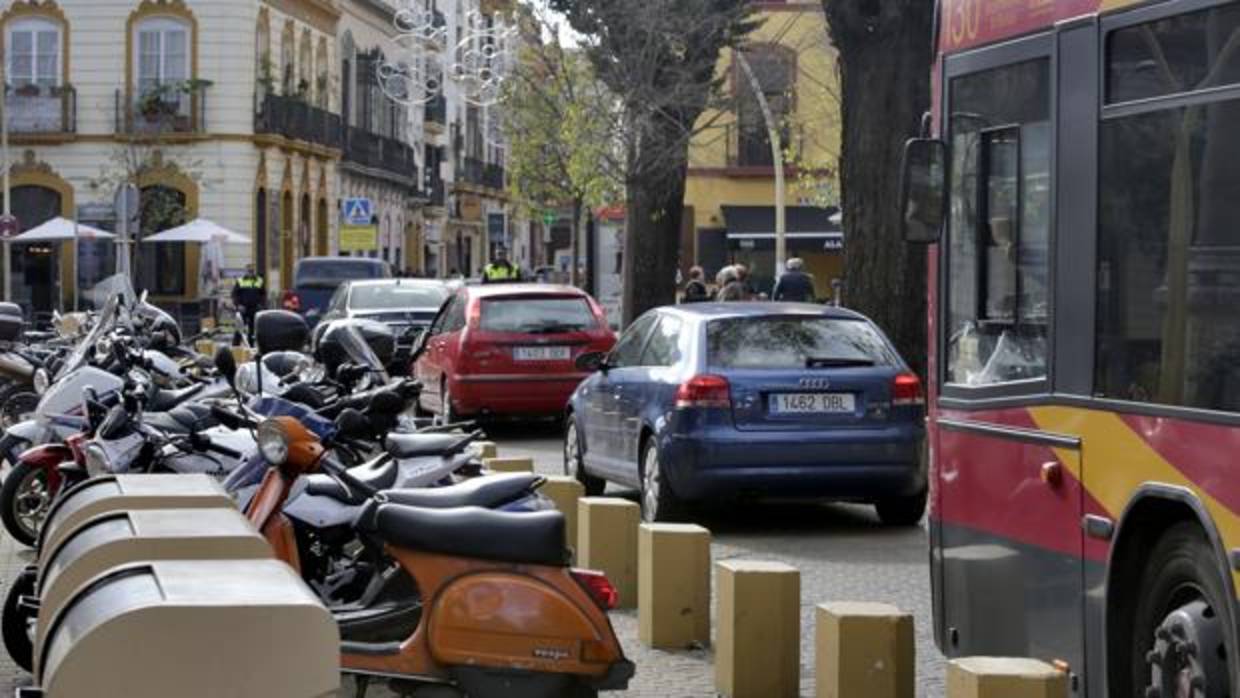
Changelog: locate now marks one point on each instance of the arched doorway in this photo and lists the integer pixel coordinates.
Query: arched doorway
(161, 267)
(286, 240)
(35, 267)
(320, 230)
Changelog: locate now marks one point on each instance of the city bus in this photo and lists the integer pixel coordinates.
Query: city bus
(1078, 184)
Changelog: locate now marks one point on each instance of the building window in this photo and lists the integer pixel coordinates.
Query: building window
(322, 85)
(288, 48)
(1168, 244)
(305, 60)
(34, 53)
(163, 53)
(998, 300)
(775, 70)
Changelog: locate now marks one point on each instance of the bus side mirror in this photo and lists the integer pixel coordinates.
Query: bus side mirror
(923, 190)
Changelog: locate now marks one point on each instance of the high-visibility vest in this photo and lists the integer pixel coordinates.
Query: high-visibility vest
(495, 272)
(246, 282)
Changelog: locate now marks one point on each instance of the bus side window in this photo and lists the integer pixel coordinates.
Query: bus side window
(999, 227)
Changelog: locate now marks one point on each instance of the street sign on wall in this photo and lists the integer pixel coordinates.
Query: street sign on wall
(359, 238)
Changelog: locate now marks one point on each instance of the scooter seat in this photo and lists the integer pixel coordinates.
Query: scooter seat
(472, 532)
(487, 492)
(164, 400)
(182, 420)
(419, 445)
(379, 474)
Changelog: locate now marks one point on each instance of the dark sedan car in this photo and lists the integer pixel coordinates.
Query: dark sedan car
(712, 402)
(406, 305)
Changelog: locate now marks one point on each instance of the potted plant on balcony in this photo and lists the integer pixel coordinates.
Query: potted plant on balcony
(28, 89)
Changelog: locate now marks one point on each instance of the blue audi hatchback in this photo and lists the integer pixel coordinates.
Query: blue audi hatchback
(707, 403)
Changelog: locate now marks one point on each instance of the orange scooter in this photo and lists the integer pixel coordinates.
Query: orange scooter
(502, 614)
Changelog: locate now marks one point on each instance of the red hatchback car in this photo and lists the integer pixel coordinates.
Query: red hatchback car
(508, 350)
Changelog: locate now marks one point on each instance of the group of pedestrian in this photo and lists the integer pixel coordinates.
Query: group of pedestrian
(795, 285)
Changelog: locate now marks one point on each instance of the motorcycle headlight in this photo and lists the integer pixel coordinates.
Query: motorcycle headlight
(97, 461)
(42, 381)
(273, 442)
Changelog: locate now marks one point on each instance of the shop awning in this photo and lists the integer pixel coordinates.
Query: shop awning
(803, 223)
(199, 230)
(60, 230)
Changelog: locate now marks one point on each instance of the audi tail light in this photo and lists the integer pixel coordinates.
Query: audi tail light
(906, 391)
(704, 392)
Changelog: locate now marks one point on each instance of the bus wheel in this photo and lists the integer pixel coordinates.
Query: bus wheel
(1180, 648)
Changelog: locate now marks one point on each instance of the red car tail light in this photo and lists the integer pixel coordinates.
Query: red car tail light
(599, 587)
(906, 391)
(704, 391)
(291, 301)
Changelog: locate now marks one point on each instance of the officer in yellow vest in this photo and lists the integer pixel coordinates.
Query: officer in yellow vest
(250, 295)
(501, 270)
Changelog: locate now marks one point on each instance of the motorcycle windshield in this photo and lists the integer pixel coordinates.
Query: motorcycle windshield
(105, 322)
(270, 406)
(359, 351)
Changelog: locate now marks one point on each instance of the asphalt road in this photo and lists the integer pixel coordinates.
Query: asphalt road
(842, 551)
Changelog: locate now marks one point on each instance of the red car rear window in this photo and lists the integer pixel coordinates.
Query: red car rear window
(537, 315)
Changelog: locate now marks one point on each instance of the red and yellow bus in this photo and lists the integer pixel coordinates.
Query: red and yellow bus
(1081, 188)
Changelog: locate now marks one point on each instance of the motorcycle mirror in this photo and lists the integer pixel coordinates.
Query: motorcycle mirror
(113, 423)
(350, 422)
(226, 364)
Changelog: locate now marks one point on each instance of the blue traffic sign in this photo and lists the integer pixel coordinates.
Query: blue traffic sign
(358, 211)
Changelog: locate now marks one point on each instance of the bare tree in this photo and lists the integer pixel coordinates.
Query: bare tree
(884, 62)
(659, 58)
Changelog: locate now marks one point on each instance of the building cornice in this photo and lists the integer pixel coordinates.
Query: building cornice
(320, 14)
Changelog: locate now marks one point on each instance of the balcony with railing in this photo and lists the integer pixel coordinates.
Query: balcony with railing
(378, 152)
(41, 110)
(292, 117)
(436, 193)
(483, 174)
(171, 108)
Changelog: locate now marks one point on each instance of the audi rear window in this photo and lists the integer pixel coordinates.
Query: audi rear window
(781, 343)
(537, 315)
(397, 297)
(331, 273)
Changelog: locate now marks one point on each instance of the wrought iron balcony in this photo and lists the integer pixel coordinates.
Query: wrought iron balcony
(292, 117)
(493, 176)
(436, 193)
(35, 109)
(483, 174)
(752, 147)
(166, 109)
(377, 152)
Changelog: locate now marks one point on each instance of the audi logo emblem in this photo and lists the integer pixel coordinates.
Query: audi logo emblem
(815, 383)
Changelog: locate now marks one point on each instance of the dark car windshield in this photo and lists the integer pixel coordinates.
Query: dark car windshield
(330, 273)
(795, 342)
(537, 315)
(396, 297)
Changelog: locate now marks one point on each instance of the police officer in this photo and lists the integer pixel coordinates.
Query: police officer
(249, 295)
(501, 270)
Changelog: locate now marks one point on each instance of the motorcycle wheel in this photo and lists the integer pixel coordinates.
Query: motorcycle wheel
(25, 500)
(15, 623)
(18, 408)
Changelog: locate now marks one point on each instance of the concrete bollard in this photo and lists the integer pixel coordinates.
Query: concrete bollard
(487, 449)
(673, 589)
(509, 465)
(991, 677)
(206, 347)
(607, 542)
(864, 649)
(565, 492)
(758, 648)
(242, 355)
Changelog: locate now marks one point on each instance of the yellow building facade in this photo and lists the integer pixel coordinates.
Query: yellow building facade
(730, 192)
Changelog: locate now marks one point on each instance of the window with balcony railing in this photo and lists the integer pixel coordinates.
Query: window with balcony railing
(774, 68)
(293, 117)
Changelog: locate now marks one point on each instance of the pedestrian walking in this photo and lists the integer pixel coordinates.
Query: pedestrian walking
(501, 270)
(794, 285)
(732, 285)
(695, 291)
(249, 295)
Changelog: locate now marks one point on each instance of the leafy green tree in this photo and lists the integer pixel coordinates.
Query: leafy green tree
(659, 58)
(559, 121)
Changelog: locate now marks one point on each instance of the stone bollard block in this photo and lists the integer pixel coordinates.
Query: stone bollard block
(991, 677)
(242, 355)
(509, 465)
(864, 649)
(758, 648)
(487, 449)
(565, 492)
(607, 542)
(673, 585)
(206, 347)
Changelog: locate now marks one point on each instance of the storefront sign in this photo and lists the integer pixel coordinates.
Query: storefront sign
(359, 238)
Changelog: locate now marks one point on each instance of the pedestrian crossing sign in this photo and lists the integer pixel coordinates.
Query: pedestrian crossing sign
(358, 211)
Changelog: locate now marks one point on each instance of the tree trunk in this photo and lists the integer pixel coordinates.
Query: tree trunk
(574, 274)
(652, 243)
(885, 66)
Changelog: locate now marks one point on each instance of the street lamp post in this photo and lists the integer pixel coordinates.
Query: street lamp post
(8, 198)
(777, 155)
